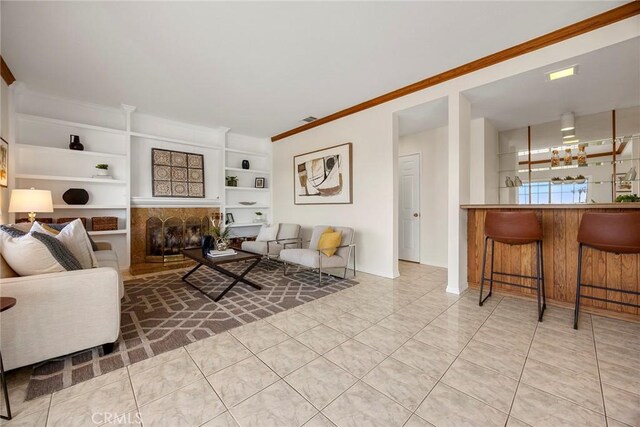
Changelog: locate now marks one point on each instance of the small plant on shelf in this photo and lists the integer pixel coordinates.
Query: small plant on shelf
(628, 198)
(556, 180)
(580, 179)
(259, 217)
(103, 169)
(232, 181)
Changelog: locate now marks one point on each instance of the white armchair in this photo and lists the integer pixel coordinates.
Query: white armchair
(287, 233)
(313, 258)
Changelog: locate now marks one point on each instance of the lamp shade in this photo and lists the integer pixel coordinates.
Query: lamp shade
(31, 200)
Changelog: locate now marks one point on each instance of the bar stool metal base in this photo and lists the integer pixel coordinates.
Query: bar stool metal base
(539, 277)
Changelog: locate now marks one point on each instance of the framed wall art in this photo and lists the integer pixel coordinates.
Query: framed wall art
(177, 174)
(324, 176)
(4, 163)
(259, 182)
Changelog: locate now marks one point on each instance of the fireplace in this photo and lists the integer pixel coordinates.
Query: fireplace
(166, 238)
(159, 234)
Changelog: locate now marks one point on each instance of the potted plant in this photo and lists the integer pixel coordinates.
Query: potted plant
(581, 179)
(232, 181)
(556, 180)
(628, 198)
(220, 234)
(259, 217)
(102, 169)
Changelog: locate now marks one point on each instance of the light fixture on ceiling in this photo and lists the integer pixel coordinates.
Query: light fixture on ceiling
(567, 122)
(565, 72)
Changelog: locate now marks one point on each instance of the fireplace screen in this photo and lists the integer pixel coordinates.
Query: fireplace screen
(166, 238)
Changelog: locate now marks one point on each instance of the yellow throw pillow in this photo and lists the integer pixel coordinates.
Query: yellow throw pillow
(329, 241)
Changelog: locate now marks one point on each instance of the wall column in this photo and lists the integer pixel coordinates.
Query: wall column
(459, 161)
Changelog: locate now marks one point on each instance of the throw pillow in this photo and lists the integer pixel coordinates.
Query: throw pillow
(35, 253)
(329, 241)
(268, 233)
(74, 237)
(59, 227)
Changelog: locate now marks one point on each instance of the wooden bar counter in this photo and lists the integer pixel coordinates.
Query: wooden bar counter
(560, 229)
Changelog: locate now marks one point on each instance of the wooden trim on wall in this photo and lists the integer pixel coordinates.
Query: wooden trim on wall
(6, 73)
(598, 21)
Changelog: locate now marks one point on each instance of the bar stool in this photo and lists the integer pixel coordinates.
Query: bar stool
(514, 228)
(609, 232)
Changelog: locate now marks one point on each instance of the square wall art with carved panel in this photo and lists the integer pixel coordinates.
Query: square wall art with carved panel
(177, 174)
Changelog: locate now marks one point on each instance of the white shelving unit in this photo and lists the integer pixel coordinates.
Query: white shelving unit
(258, 153)
(43, 160)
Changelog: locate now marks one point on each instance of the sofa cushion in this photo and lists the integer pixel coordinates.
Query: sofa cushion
(74, 237)
(35, 253)
(260, 248)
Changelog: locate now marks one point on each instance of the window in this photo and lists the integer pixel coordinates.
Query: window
(544, 192)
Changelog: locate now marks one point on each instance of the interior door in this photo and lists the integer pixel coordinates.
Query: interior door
(409, 232)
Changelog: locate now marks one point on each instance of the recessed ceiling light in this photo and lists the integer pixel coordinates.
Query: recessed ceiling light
(567, 122)
(572, 141)
(565, 72)
(568, 134)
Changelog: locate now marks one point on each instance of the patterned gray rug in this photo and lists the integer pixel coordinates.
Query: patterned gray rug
(161, 313)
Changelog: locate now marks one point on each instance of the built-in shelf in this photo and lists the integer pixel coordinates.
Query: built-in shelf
(70, 178)
(66, 150)
(261, 172)
(58, 122)
(172, 202)
(246, 189)
(74, 207)
(248, 153)
(246, 207)
(174, 140)
(107, 232)
(248, 224)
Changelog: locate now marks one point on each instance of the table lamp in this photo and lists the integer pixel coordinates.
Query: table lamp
(30, 201)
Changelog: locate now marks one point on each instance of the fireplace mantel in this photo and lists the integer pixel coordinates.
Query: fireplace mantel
(173, 202)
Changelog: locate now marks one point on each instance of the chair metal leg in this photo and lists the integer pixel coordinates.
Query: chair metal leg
(484, 261)
(577, 310)
(284, 267)
(319, 270)
(354, 261)
(538, 277)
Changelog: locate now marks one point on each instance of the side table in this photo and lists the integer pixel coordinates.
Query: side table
(5, 304)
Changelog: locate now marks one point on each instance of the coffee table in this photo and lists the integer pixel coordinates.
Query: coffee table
(217, 262)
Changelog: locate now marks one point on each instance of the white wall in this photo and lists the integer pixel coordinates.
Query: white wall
(432, 147)
(373, 213)
(483, 162)
(4, 132)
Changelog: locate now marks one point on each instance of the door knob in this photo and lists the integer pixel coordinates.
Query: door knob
(415, 215)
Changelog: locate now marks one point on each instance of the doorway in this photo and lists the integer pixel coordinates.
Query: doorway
(409, 208)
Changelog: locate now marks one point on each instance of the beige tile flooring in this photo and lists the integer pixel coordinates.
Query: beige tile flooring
(383, 353)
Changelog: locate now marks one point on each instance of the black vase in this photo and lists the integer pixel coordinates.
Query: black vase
(76, 196)
(245, 164)
(74, 143)
(206, 244)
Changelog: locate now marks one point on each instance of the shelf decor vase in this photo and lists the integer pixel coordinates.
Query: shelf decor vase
(555, 159)
(631, 174)
(582, 155)
(206, 244)
(74, 143)
(517, 181)
(245, 164)
(568, 157)
(76, 196)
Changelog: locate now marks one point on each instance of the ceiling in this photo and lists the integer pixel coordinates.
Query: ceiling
(258, 67)
(607, 79)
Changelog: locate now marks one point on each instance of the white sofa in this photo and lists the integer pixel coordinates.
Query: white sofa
(60, 313)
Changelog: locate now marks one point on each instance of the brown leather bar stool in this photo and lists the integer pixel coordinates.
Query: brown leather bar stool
(514, 228)
(617, 232)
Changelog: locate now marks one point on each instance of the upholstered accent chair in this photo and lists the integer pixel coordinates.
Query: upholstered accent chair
(313, 258)
(270, 249)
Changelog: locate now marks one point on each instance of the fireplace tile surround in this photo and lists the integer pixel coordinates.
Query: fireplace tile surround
(140, 263)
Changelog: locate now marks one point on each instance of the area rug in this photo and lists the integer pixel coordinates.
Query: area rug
(161, 313)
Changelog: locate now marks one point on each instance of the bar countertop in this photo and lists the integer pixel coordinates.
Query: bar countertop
(564, 206)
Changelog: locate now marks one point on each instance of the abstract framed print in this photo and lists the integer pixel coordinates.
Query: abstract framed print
(324, 176)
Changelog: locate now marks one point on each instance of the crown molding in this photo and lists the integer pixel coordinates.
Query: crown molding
(6, 73)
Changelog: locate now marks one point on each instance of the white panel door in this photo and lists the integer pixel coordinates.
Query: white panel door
(409, 232)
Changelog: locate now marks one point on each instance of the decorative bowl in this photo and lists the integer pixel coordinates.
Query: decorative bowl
(247, 203)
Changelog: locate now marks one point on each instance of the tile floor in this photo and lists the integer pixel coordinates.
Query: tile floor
(384, 353)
